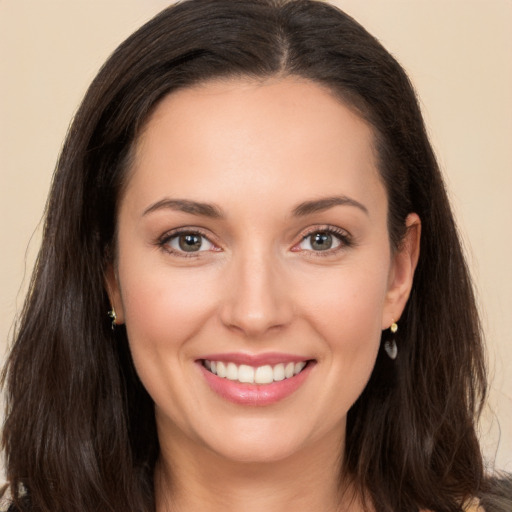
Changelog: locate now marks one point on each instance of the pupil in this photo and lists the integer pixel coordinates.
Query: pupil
(322, 241)
(190, 243)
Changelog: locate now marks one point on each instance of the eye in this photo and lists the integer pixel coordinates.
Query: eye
(319, 241)
(188, 242)
(323, 240)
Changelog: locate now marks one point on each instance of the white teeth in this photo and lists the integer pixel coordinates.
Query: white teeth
(279, 372)
(299, 367)
(221, 369)
(232, 371)
(246, 373)
(260, 375)
(263, 375)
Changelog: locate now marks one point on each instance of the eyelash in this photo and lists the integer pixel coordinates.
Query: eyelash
(164, 240)
(344, 238)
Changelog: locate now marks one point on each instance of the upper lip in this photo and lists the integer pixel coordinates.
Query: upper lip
(267, 358)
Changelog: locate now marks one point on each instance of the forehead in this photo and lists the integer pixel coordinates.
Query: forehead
(289, 135)
(292, 99)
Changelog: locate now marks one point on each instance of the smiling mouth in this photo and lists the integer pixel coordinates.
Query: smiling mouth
(246, 374)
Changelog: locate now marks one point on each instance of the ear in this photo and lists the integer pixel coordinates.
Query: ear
(114, 293)
(401, 275)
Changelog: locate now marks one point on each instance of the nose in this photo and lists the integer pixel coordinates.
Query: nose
(256, 298)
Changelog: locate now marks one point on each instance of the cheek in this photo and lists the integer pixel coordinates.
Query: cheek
(163, 308)
(346, 312)
(347, 304)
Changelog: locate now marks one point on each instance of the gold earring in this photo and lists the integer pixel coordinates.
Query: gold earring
(390, 345)
(113, 316)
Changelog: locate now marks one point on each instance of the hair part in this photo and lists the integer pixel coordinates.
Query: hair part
(80, 431)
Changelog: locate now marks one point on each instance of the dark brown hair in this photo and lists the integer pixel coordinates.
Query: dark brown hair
(80, 430)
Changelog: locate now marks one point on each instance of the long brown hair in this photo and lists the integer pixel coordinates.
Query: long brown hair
(80, 431)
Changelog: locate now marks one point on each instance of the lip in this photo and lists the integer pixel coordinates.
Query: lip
(271, 358)
(255, 394)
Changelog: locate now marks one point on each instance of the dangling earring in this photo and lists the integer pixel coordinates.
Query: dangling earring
(113, 316)
(390, 345)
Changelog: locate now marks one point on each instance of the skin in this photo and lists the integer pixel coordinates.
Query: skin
(256, 150)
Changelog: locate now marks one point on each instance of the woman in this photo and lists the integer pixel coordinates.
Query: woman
(249, 191)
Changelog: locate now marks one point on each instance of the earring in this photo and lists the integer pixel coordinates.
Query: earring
(113, 316)
(390, 345)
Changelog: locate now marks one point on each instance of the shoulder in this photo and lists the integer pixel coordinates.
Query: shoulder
(474, 506)
(470, 506)
(6, 502)
(5, 498)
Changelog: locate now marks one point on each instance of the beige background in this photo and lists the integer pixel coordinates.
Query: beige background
(458, 53)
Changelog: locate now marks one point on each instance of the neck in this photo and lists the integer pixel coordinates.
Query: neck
(305, 481)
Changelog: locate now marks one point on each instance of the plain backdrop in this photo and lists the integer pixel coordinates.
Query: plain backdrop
(457, 52)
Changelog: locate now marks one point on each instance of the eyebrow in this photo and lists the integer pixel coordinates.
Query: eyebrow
(320, 205)
(214, 212)
(187, 206)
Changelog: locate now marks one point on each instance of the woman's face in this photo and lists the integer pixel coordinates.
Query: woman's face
(254, 270)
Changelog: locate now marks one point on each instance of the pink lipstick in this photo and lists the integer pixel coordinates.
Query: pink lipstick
(255, 380)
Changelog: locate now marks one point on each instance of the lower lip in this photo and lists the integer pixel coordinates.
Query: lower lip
(255, 394)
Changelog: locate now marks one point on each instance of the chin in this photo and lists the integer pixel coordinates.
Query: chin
(259, 441)
(257, 451)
